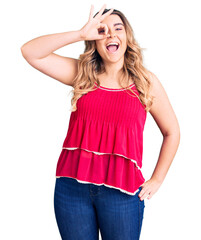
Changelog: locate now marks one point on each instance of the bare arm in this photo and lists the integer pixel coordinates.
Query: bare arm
(164, 116)
(38, 52)
(42, 46)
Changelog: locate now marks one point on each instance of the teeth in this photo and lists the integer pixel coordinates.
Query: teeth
(112, 44)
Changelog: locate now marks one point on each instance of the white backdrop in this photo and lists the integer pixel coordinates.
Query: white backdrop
(35, 111)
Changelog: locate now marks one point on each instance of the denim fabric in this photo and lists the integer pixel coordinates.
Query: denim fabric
(82, 209)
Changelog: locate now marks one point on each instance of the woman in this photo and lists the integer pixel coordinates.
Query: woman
(99, 183)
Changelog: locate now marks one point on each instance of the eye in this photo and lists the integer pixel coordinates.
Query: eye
(118, 29)
(100, 31)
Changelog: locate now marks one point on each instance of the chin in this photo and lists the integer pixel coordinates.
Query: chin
(112, 60)
(115, 58)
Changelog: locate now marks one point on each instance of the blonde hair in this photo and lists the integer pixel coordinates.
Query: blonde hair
(90, 64)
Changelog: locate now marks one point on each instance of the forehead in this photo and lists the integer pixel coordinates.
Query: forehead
(112, 19)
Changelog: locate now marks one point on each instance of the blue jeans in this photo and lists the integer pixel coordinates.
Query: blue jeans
(81, 209)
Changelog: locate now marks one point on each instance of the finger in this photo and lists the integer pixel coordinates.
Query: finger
(101, 11)
(100, 37)
(144, 195)
(105, 27)
(150, 196)
(143, 190)
(106, 14)
(91, 12)
(141, 194)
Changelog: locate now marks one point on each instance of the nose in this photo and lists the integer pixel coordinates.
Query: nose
(112, 34)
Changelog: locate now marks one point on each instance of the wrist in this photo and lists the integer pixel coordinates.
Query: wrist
(82, 37)
(157, 180)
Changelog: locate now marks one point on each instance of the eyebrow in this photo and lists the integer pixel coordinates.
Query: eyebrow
(118, 24)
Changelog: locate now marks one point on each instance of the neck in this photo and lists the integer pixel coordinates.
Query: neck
(113, 70)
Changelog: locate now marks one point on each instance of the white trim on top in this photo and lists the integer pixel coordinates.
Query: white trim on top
(124, 191)
(114, 89)
(118, 90)
(99, 153)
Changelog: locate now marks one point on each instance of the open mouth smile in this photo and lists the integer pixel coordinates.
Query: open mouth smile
(112, 47)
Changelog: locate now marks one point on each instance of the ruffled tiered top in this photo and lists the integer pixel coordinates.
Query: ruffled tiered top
(104, 141)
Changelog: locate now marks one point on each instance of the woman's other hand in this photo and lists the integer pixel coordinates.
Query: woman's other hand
(92, 30)
(149, 188)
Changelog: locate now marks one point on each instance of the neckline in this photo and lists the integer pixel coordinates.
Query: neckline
(114, 89)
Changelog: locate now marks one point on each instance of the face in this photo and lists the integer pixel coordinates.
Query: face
(117, 33)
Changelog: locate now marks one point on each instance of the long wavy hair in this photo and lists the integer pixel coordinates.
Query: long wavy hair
(90, 64)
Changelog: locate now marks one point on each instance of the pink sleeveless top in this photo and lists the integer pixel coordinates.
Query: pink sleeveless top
(104, 141)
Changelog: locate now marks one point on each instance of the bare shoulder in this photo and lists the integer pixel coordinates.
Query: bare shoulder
(156, 85)
(162, 110)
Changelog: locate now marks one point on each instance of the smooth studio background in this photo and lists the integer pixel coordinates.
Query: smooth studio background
(35, 111)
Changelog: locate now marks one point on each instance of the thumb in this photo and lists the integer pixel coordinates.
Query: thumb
(102, 36)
